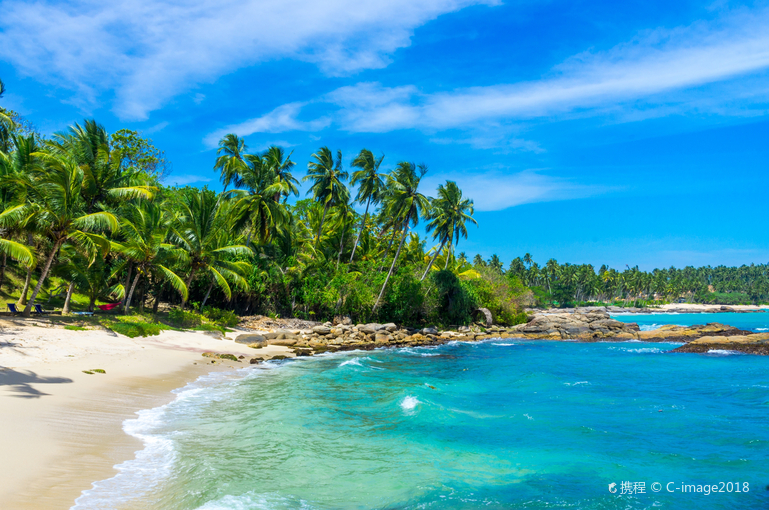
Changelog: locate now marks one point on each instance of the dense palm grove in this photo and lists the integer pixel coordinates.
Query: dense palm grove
(85, 214)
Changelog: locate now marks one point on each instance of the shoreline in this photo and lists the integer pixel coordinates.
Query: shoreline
(63, 429)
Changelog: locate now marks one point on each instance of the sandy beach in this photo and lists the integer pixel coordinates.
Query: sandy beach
(61, 428)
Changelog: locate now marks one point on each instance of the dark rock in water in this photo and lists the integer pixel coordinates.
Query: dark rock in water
(250, 338)
(303, 352)
(254, 361)
(279, 357)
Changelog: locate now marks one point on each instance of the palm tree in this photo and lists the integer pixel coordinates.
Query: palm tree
(370, 185)
(275, 160)
(255, 204)
(205, 234)
(104, 176)
(145, 228)
(60, 213)
(448, 216)
(230, 159)
(328, 178)
(406, 203)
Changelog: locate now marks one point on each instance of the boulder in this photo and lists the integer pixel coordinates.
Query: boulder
(484, 314)
(429, 331)
(250, 338)
(343, 320)
(286, 342)
(321, 330)
(390, 327)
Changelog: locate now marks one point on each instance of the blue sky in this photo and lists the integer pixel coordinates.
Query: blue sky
(604, 132)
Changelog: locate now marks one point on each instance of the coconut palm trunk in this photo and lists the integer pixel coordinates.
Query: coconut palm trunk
(341, 245)
(126, 284)
(392, 266)
(433, 260)
(187, 284)
(320, 228)
(389, 245)
(2, 270)
(208, 293)
(131, 292)
(362, 226)
(43, 276)
(25, 290)
(68, 299)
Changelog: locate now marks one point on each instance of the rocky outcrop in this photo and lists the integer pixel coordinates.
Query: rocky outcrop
(751, 343)
(591, 326)
(586, 326)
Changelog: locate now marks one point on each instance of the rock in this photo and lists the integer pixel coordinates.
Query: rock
(321, 330)
(216, 334)
(382, 338)
(254, 361)
(369, 329)
(390, 327)
(250, 338)
(344, 320)
(485, 315)
(286, 342)
(337, 331)
(429, 331)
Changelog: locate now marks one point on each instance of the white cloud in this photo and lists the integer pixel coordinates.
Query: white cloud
(147, 51)
(281, 119)
(498, 190)
(662, 67)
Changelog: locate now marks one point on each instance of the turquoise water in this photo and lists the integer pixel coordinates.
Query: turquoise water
(498, 424)
(750, 321)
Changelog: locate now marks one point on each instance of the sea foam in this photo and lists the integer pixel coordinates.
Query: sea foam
(409, 403)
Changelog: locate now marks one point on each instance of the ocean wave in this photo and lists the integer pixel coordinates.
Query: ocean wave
(352, 362)
(153, 465)
(504, 345)
(251, 501)
(722, 352)
(409, 403)
(578, 383)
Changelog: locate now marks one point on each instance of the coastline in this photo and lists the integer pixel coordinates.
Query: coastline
(63, 429)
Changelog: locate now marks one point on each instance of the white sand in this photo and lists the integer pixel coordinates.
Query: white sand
(61, 429)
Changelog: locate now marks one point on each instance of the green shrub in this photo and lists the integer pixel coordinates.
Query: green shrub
(75, 328)
(184, 319)
(226, 318)
(133, 329)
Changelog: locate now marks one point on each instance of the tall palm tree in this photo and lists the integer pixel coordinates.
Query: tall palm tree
(255, 204)
(406, 203)
(370, 185)
(449, 214)
(276, 161)
(145, 228)
(230, 159)
(60, 213)
(328, 178)
(204, 232)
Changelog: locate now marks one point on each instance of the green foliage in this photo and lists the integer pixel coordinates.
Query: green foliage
(139, 153)
(504, 296)
(135, 328)
(226, 318)
(403, 300)
(184, 318)
(454, 299)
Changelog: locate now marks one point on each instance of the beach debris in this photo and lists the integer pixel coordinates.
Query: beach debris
(88, 372)
(99, 370)
(230, 357)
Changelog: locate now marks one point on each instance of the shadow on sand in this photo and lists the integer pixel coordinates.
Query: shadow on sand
(20, 383)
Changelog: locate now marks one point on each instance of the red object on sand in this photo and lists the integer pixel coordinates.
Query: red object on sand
(107, 308)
